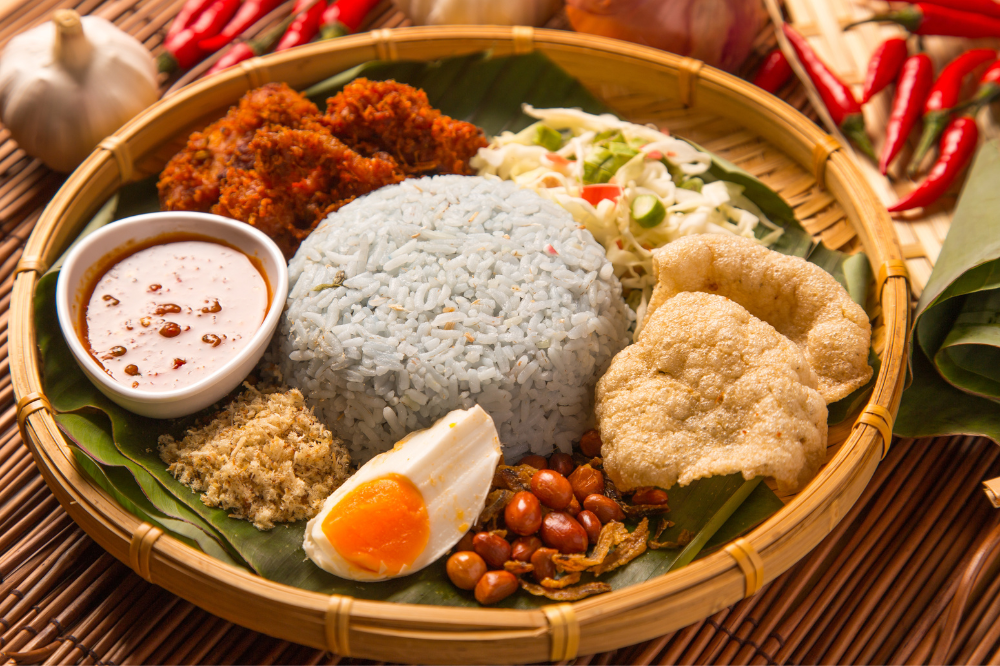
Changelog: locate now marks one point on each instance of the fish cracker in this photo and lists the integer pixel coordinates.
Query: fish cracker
(709, 389)
(799, 299)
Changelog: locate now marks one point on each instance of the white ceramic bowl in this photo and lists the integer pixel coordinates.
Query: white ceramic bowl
(83, 261)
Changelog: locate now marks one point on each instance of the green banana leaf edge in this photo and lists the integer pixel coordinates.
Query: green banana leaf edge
(955, 339)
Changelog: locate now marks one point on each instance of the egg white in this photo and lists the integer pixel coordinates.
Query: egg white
(451, 463)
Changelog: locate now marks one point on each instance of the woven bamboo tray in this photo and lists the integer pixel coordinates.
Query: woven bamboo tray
(730, 117)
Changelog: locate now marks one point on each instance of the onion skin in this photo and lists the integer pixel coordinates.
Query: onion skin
(718, 32)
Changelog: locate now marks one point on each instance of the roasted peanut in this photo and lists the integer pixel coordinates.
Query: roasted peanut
(605, 508)
(590, 444)
(574, 507)
(538, 462)
(495, 586)
(591, 525)
(465, 543)
(465, 568)
(562, 463)
(541, 560)
(552, 489)
(493, 549)
(562, 532)
(586, 481)
(523, 514)
(649, 496)
(524, 547)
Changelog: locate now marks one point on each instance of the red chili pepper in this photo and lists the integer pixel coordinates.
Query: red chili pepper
(191, 10)
(774, 72)
(988, 7)
(884, 66)
(958, 143)
(943, 98)
(305, 26)
(930, 19)
(184, 49)
(914, 84)
(838, 98)
(989, 87)
(250, 12)
(236, 54)
(245, 50)
(344, 17)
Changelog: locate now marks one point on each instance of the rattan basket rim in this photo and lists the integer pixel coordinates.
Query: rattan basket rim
(401, 632)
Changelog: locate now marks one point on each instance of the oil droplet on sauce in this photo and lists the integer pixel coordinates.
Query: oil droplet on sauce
(198, 302)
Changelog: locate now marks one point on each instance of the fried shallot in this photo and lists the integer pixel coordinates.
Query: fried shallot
(495, 503)
(562, 582)
(566, 594)
(516, 479)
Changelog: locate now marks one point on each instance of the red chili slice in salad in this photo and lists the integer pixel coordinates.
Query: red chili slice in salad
(654, 155)
(556, 159)
(595, 194)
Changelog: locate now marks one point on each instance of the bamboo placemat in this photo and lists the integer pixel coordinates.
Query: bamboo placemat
(892, 580)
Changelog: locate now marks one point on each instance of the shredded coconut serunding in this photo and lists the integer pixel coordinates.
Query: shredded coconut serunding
(264, 458)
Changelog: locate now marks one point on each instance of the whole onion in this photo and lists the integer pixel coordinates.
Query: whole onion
(718, 32)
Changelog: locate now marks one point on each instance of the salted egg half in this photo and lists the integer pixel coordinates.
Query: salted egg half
(406, 507)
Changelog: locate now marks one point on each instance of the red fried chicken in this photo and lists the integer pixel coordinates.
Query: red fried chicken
(297, 178)
(390, 117)
(192, 178)
(273, 162)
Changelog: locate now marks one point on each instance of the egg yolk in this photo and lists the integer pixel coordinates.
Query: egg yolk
(380, 524)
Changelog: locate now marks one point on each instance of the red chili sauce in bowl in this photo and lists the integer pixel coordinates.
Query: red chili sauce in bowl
(167, 313)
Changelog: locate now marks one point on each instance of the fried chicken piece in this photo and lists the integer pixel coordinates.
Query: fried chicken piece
(192, 178)
(374, 116)
(297, 178)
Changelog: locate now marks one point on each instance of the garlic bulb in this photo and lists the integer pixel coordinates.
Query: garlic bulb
(479, 12)
(67, 84)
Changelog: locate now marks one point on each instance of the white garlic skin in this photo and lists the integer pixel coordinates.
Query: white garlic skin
(479, 12)
(67, 84)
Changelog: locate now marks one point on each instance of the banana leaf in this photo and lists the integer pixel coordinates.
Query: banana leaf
(121, 485)
(120, 452)
(955, 340)
(119, 446)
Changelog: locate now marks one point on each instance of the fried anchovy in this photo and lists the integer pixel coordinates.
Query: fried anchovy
(612, 534)
(664, 525)
(686, 536)
(566, 594)
(560, 583)
(517, 567)
(627, 550)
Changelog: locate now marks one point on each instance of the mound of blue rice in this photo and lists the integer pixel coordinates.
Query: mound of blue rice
(441, 293)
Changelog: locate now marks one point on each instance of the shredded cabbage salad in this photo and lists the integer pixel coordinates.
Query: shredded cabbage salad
(632, 186)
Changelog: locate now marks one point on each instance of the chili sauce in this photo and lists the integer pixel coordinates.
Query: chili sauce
(168, 314)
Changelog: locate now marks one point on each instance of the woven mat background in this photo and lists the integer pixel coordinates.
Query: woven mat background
(908, 576)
